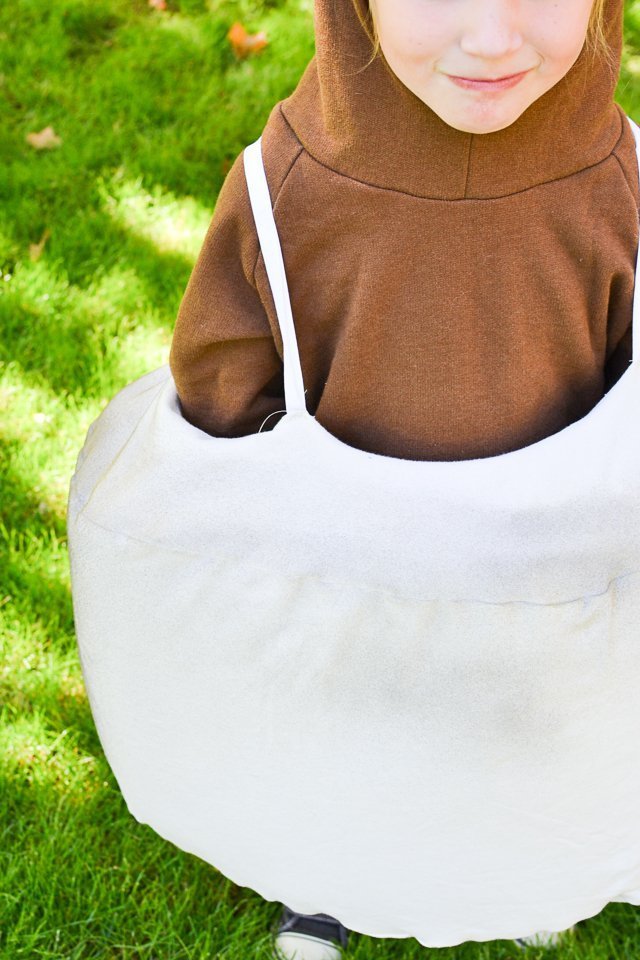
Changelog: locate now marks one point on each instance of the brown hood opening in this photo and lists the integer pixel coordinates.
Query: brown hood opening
(366, 124)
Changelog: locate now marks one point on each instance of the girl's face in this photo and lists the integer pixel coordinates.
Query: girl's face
(427, 42)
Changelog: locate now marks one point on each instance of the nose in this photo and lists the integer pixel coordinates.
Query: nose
(492, 30)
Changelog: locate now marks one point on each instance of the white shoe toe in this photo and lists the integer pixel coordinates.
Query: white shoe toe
(302, 946)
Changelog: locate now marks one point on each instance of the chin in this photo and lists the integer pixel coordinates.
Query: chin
(482, 128)
(478, 124)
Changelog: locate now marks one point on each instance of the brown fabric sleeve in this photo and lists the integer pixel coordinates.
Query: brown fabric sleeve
(618, 360)
(227, 370)
(619, 325)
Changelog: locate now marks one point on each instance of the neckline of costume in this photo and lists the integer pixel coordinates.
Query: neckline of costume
(458, 165)
(271, 250)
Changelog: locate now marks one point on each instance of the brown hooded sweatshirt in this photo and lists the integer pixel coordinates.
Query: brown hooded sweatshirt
(455, 295)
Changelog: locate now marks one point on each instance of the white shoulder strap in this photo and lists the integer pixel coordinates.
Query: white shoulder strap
(272, 256)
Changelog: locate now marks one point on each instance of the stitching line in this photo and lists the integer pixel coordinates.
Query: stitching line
(362, 587)
(417, 196)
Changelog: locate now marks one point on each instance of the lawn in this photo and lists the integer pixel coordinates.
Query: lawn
(148, 107)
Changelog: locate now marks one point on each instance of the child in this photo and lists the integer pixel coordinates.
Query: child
(460, 255)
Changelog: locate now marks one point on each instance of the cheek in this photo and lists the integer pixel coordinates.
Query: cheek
(413, 31)
(560, 53)
(415, 47)
(559, 38)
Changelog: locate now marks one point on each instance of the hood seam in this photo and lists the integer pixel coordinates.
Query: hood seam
(468, 173)
(417, 196)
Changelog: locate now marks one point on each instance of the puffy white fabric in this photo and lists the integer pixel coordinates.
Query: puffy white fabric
(403, 693)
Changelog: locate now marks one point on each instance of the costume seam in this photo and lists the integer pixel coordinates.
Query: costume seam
(362, 587)
(626, 179)
(466, 179)
(418, 196)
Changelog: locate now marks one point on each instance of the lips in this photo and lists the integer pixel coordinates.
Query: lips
(489, 79)
(502, 83)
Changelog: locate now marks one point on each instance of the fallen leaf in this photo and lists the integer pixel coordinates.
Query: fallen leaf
(244, 43)
(35, 249)
(46, 139)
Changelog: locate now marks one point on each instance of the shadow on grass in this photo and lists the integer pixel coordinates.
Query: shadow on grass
(69, 340)
(41, 597)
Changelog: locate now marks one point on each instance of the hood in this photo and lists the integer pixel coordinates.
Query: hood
(369, 126)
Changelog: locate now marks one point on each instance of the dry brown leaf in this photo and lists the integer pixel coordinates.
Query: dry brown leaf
(45, 139)
(244, 43)
(35, 249)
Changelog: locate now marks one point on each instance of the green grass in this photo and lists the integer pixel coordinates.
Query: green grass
(152, 107)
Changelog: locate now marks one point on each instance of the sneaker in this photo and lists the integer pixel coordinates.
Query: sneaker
(308, 936)
(543, 938)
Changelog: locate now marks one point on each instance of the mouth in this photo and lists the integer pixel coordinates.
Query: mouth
(483, 83)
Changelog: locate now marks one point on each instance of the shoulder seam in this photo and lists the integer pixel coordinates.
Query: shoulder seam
(275, 201)
(624, 175)
(620, 163)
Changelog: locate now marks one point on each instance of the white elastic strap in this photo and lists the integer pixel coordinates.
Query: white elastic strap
(272, 256)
